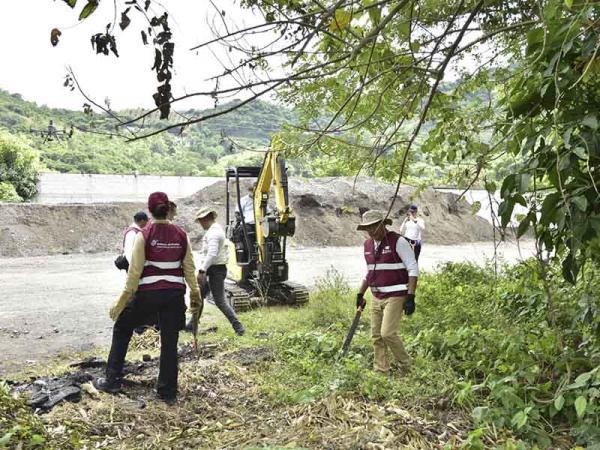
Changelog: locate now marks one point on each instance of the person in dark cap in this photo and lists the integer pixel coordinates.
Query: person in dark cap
(161, 265)
(140, 219)
(412, 229)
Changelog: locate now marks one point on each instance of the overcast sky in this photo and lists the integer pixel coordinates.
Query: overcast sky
(36, 70)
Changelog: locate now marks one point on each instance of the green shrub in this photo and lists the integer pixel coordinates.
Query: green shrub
(19, 166)
(523, 361)
(18, 427)
(8, 193)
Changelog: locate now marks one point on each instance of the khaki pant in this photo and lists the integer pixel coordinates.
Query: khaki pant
(385, 324)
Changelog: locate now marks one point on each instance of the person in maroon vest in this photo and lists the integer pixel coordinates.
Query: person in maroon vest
(161, 264)
(392, 273)
(140, 220)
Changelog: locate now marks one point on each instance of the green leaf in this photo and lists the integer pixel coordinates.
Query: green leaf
(549, 208)
(590, 121)
(580, 406)
(580, 152)
(569, 3)
(524, 225)
(582, 379)
(88, 9)
(479, 413)
(4, 440)
(507, 186)
(490, 186)
(519, 419)
(374, 12)
(570, 268)
(567, 136)
(520, 200)
(71, 3)
(341, 20)
(37, 439)
(524, 184)
(581, 202)
(534, 38)
(505, 211)
(404, 29)
(559, 402)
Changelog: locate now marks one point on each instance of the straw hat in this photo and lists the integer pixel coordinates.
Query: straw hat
(371, 217)
(205, 211)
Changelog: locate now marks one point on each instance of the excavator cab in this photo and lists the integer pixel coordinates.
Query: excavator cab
(259, 268)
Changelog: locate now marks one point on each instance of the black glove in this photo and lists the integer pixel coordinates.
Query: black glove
(409, 304)
(360, 301)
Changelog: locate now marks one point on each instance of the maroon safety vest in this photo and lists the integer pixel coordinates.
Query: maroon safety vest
(387, 275)
(127, 230)
(166, 245)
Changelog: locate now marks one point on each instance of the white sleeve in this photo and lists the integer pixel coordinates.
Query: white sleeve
(213, 241)
(403, 228)
(421, 223)
(407, 254)
(128, 245)
(243, 203)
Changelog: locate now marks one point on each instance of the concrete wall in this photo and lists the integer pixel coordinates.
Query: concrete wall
(78, 188)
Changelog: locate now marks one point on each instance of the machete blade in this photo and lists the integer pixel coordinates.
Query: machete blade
(351, 332)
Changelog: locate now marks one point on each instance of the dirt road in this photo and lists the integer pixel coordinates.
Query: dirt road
(58, 304)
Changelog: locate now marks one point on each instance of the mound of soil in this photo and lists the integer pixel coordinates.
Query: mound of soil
(327, 211)
(30, 229)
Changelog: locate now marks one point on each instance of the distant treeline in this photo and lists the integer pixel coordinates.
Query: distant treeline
(201, 149)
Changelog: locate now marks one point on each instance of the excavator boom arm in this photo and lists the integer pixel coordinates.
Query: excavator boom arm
(272, 173)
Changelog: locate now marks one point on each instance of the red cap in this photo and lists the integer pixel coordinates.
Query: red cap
(157, 198)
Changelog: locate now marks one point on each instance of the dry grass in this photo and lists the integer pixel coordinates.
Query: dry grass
(221, 407)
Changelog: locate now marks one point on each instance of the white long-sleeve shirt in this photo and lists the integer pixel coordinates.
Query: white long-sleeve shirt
(407, 254)
(413, 228)
(129, 240)
(247, 203)
(214, 247)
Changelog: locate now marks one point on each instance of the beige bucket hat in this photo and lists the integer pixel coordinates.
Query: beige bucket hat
(371, 217)
(205, 211)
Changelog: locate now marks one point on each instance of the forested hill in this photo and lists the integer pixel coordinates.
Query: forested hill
(202, 149)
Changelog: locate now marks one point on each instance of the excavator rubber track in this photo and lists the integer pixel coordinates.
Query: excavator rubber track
(289, 293)
(286, 293)
(239, 298)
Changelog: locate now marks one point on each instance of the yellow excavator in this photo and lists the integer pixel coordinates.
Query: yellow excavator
(258, 273)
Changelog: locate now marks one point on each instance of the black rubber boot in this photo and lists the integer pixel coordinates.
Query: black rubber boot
(170, 400)
(106, 385)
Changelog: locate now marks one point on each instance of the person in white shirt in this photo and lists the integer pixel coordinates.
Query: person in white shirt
(213, 268)
(140, 219)
(247, 203)
(392, 274)
(412, 229)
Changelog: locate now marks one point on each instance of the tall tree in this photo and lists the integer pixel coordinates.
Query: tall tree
(459, 83)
